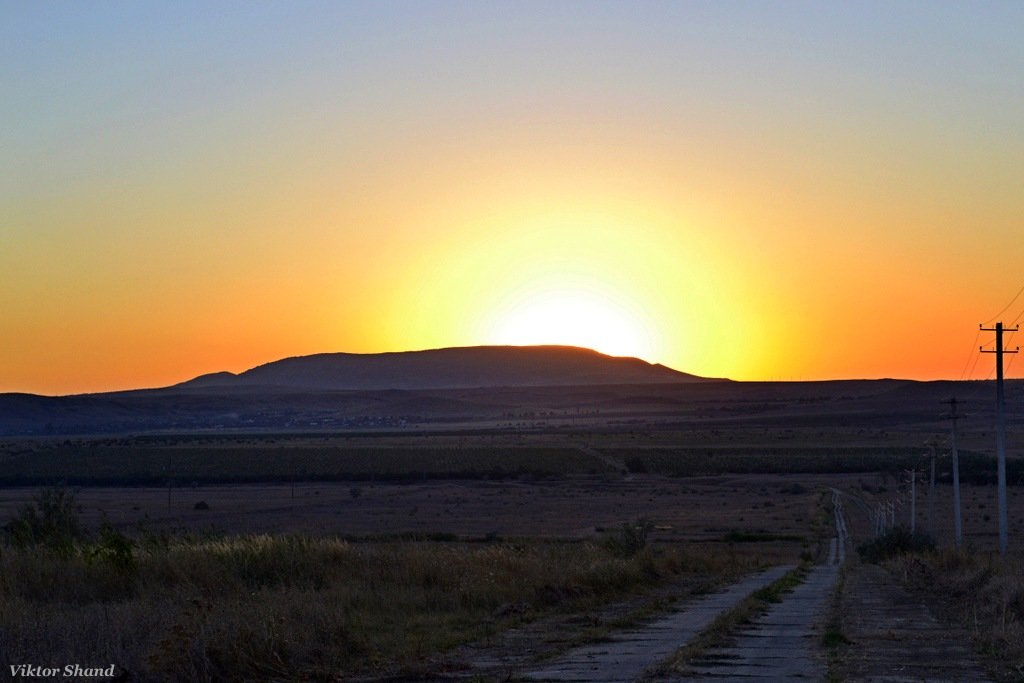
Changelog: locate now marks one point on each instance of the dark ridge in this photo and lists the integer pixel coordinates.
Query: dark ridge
(451, 368)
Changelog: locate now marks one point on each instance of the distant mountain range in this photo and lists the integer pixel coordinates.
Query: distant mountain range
(451, 368)
(533, 388)
(340, 391)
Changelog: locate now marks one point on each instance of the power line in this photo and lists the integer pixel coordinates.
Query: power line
(1013, 357)
(992, 372)
(1007, 306)
(973, 354)
(970, 374)
(1018, 318)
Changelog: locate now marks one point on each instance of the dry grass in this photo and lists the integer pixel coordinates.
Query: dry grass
(298, 607)
(985, 592)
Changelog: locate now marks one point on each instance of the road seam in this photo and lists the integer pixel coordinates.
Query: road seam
(628, 654)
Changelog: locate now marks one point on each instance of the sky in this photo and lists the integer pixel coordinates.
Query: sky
(753, 190)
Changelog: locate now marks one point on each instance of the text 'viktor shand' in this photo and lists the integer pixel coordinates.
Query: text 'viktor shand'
(66, 671)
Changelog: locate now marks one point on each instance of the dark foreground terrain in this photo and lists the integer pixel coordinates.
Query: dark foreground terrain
(500, 534)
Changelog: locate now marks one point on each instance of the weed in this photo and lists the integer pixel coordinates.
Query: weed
(50, 520)
(895, 542)
(758, 537)
(834, 638)
(636, 465)
(114, 549)
(629, 539)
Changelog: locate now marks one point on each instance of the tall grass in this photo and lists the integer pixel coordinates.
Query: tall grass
(297, 607)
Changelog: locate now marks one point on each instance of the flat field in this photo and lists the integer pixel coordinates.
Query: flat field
(397, 548)
(698, 509)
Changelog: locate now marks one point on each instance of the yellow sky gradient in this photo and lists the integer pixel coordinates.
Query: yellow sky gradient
(744, 234)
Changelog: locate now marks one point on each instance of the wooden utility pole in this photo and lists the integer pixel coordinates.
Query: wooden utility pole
(931, 492)
(1000, 430)
(957, 520)
(913, 500)
(170, 481)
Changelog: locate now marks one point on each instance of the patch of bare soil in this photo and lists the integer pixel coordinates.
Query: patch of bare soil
(894, 636)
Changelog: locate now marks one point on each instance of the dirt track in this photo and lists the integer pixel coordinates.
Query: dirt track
(895, 637)
(627, 654)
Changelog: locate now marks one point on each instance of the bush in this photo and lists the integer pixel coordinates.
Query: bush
(636, 465)
(114, 549)
(758, 537)
(895, 542)
(50, 520)
(630, 539)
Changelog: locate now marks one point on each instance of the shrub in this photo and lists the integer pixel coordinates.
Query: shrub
(629, 539)
(50, 520)
(758, 537)
(636, 465)
(895, 542)
(114, 549)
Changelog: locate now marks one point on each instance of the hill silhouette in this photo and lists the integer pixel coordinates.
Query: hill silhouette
(449, 368)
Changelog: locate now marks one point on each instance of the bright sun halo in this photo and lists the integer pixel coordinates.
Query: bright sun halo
(573, 318)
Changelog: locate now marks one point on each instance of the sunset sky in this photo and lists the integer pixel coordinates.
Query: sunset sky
(753, 190)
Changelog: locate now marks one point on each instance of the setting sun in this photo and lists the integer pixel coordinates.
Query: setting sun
(574, 317)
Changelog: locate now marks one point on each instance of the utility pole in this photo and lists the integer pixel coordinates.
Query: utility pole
(913, 500)
(931, 492)
(170, 481)
(957, 522)
(1000, 429)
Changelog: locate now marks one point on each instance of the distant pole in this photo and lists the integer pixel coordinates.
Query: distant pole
(957, 522)
(931, 493)
(1000, 431)
(913, 500)
(169, 481)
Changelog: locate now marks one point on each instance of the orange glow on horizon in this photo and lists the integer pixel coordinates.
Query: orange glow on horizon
(730, 190)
